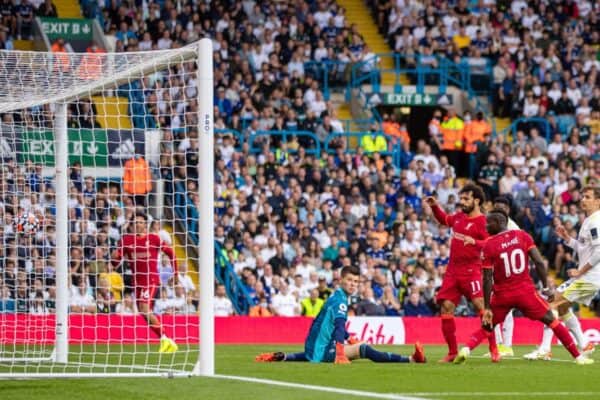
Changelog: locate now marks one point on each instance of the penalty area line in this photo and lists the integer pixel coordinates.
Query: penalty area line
(349, 392)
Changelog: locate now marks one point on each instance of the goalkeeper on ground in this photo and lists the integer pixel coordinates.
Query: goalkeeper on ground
(327, 334)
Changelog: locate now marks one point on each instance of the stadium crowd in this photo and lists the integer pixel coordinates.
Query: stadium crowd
(287, 220)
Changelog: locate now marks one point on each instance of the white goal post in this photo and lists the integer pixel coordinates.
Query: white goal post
(87, 142)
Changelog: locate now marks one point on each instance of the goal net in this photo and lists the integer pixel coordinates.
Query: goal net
(100, 156)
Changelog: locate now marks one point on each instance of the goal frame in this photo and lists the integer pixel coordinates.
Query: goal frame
(201, 52)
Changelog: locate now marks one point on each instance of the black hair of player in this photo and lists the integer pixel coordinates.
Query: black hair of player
(141, 214)
(502, 200)
(350, 269)
(475, 190)
(501, 214)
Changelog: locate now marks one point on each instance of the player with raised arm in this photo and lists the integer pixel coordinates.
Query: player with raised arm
(327, 334)
(463, 275)
(142, 250)
(584, 282)
(505, 258)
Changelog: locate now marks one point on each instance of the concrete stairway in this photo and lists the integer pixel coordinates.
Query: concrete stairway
(112, 112)
(358, 13)
(68, 8)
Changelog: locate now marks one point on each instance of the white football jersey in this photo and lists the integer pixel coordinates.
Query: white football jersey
(586, 244)
(512, 225)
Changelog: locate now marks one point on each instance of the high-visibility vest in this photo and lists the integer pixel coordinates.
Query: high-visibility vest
(372, 145)
(91, 64)
(62, 57)
(137, 179)
(393, 129)
(475, 131)
(309, 309)
(452, 134)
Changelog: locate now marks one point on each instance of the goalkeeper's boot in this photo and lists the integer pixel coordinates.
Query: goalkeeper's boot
(538, 354)
(462, 355)
(270, 357)
(505, 351)
(583, 360)
(419, 355)
(588, 349)
(167, 345)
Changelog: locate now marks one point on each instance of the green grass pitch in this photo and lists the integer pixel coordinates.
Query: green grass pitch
(477, 379)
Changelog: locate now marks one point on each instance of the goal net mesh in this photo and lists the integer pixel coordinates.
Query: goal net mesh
(132, 136)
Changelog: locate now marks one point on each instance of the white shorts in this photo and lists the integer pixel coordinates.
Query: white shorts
(578, 291)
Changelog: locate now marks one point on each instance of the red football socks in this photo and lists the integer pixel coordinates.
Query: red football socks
(477, 337)
(449, 331)
(565, 338)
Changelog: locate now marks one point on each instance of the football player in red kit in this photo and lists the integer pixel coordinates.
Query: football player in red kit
(463, 275)
(142, 250)
(505, 263)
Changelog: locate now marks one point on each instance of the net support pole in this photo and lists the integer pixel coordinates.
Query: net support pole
(206, 252)
(61, 146)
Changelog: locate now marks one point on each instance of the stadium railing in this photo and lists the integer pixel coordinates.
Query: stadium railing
(329, 73)
(186, 212)
(473, 81)
(285, 136)
(541, 124)
(394, 147)
(226, 275)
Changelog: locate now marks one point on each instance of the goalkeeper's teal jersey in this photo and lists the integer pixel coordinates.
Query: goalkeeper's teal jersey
(319, 345)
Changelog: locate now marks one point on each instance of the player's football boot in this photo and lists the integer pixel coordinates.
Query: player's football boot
(447, 359)
(462, 355)
(538, 354)
(419, 354)
(588, 349)
(496, 357)
(505, 351)
(270, 357)
(583, 360)
(167, 345)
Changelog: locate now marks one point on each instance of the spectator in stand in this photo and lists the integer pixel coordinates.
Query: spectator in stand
(414, 307)
(223, 306)
(80, 300)
(127, 306)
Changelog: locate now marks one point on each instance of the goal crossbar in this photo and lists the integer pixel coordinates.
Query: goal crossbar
(115, 70)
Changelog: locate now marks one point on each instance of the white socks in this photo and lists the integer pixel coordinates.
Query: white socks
(498, 334)
(508, 327)
(504, 331)
(574, 326)
(547, 339)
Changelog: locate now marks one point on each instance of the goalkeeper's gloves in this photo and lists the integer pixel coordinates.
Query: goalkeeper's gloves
(340, 356)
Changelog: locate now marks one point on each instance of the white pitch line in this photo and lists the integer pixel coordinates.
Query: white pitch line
(506, 394)
(349, 392)
(572, 361)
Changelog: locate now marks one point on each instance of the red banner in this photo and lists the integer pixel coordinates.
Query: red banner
(28, 329)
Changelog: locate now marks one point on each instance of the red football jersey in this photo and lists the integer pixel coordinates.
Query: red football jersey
(507, 253)
(142, 253)
(464, 259)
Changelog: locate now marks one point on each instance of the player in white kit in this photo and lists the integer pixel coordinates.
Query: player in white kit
(585, 281)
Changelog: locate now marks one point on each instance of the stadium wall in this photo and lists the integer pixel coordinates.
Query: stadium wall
(117, 329)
